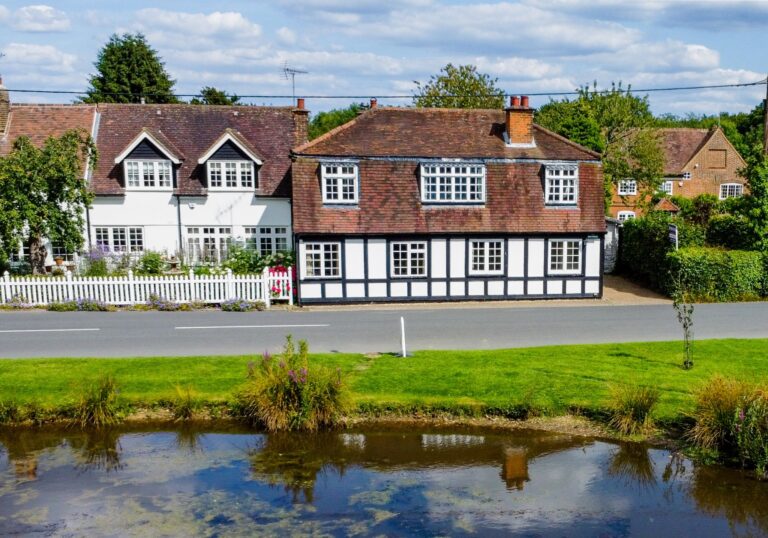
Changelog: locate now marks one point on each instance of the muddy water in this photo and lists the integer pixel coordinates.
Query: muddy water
(229, 482)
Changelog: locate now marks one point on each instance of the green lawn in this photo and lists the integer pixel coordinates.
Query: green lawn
(551, 377)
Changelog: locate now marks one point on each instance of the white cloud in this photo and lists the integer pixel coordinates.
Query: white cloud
(286, 36)
(40, 18)
(515, 68)
(193, 26)
(4, 13)
(659, 57)
(40, 57)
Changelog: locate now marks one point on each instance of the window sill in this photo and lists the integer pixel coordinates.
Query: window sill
(149, 189)
(561, 206)
(432, 203)
(341, 205)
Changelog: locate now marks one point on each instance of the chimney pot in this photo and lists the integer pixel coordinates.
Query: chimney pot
(374, 102)
(300, 103)
(514, 100)
(524, 101)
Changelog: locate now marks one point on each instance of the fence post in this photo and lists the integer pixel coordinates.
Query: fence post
(230, 285)
(70, 286)
(289, 287)
(131, 288)
(5, 288)
(266, 291)
(192, 290)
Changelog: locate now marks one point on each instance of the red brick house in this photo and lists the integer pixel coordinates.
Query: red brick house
(406, 204)
(697, 161)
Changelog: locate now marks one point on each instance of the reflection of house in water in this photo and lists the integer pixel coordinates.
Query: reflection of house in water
(515, 469)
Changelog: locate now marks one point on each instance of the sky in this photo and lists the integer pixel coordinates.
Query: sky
(377, 48)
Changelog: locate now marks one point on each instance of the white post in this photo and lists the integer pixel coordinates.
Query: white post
(230, 285)
(70, 286)
(131, 287)
(402, 336)
(265, 289)
(289, 287)
(192, 287)
(5, 287)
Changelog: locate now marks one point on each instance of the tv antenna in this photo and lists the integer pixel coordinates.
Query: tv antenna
(291, 72)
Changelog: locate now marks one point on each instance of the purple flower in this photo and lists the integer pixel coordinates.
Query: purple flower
(266, 357)
(741, 415)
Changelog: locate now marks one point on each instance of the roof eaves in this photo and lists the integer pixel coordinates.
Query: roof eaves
(568, 141)
(333, 132)
(231, 135)
(162, 145)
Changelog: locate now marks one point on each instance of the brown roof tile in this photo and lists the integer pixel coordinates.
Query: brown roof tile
(192, 129)
(680, 145)
(39, 122)
(437, 132)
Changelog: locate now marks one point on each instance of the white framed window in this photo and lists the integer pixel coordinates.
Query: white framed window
(625, 215)
(731, 190)
(267, 239)
(208, 243)
(339, 183)
(686, 175)
(58, 251)
(230, 175)
(486, 257)
(120, 238)
(322, 260)
(627, 187)
(564, 256)
(452, 183)
(142, 174)
(409, 258)
(667, 187)
(562, 183)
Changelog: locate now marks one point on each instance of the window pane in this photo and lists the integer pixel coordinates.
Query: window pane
(136, 236)
(119, 242)
(148, 174)
(340, 183)
(214, 171)
(164, 174)
(246, 175)
(453, 183)
(230, 174)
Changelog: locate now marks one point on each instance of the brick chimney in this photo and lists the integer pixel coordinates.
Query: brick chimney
(300, 123)
(5, 107)
(519, 122)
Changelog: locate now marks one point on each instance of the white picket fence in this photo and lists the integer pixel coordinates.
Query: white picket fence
(133, 289)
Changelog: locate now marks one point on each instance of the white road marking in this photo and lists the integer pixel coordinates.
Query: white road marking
(251, 326)
(47, 330)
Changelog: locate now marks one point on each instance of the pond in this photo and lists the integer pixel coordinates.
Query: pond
(156, 481)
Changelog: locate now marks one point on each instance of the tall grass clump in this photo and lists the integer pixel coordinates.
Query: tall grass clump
(98, 405)
(751, 432)
(715, 411)
(186, 403)
(631, 408)
(286, 393)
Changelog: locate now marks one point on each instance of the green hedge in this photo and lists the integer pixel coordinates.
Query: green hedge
(714, 274)
(732, 232)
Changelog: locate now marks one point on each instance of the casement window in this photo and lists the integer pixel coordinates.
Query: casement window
(731, 190)
(208, 243)
(564, 256)
(667, 187)
(453, 183)
(686, 175)
(148, 174)
(625, 215)
(627, 187)
(487, 257)
(322, 260)
(339, 183)
(230, 175)
(120, 239)
(267, 239)
(58, 251)
(409, 258)
(562, 183)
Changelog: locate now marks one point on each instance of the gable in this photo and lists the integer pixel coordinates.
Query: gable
(147, 150)
(229, 152)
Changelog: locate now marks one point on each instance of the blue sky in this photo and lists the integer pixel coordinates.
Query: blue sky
(379, 47)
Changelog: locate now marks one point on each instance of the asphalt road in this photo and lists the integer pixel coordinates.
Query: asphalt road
(119, 334)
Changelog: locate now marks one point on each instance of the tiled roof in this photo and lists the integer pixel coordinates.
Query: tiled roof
(665, 204)
(680, 145)
(192, 129)
(39, 122)
(437, 132)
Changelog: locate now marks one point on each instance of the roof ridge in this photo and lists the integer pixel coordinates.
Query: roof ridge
(322, 138)
(190, 105)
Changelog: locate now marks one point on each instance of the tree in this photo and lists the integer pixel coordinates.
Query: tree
(459, 87)
(756, 203)
(43, 193)
(211, 96)
(129, 70)
(325, 121)
(617, 124)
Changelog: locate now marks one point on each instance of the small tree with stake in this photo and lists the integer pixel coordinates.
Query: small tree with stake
(684, 312)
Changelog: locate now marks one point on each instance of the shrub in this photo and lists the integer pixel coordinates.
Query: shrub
(241, 305)
(717, 405)
(165, 305)
(18, 302)
(97, 263)
(631, 408)
(712, 274)
(289, 394)
(150, 263)
(186, 403)
(81, 305)
(732, 232)
(10, 412)
(751, 432)
(98, 405)
(242, 260)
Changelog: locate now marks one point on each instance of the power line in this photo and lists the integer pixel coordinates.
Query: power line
(532, 94)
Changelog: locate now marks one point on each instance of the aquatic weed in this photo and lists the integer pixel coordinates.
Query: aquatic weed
(98, 405)
(186, 403)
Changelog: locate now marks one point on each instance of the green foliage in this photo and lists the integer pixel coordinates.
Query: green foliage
(644, 246)
(211, 96)
(150, 263)
(242, 260)
(128, 70)
(631, 408)
(731, 231)
(325, 121)
(751, 431)
(712, 274)
(756, 204)
(459, 87)
(701, 209)
(186, 403)
(98, 405)
(43, 194)
(241, 305)
(574, 120)
(81, 305)
(287, 393)
(716, 407)
(10, 412)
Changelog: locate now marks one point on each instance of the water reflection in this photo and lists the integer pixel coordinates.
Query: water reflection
(393, 482)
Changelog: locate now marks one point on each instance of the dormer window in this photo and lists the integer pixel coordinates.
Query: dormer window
(454, 183)
(339, 183)
(230, 175)
(562, 183)
(148, 174)
(148, 163)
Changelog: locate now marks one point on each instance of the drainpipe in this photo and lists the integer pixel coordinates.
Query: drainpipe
(178, 219)
(88, 226)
